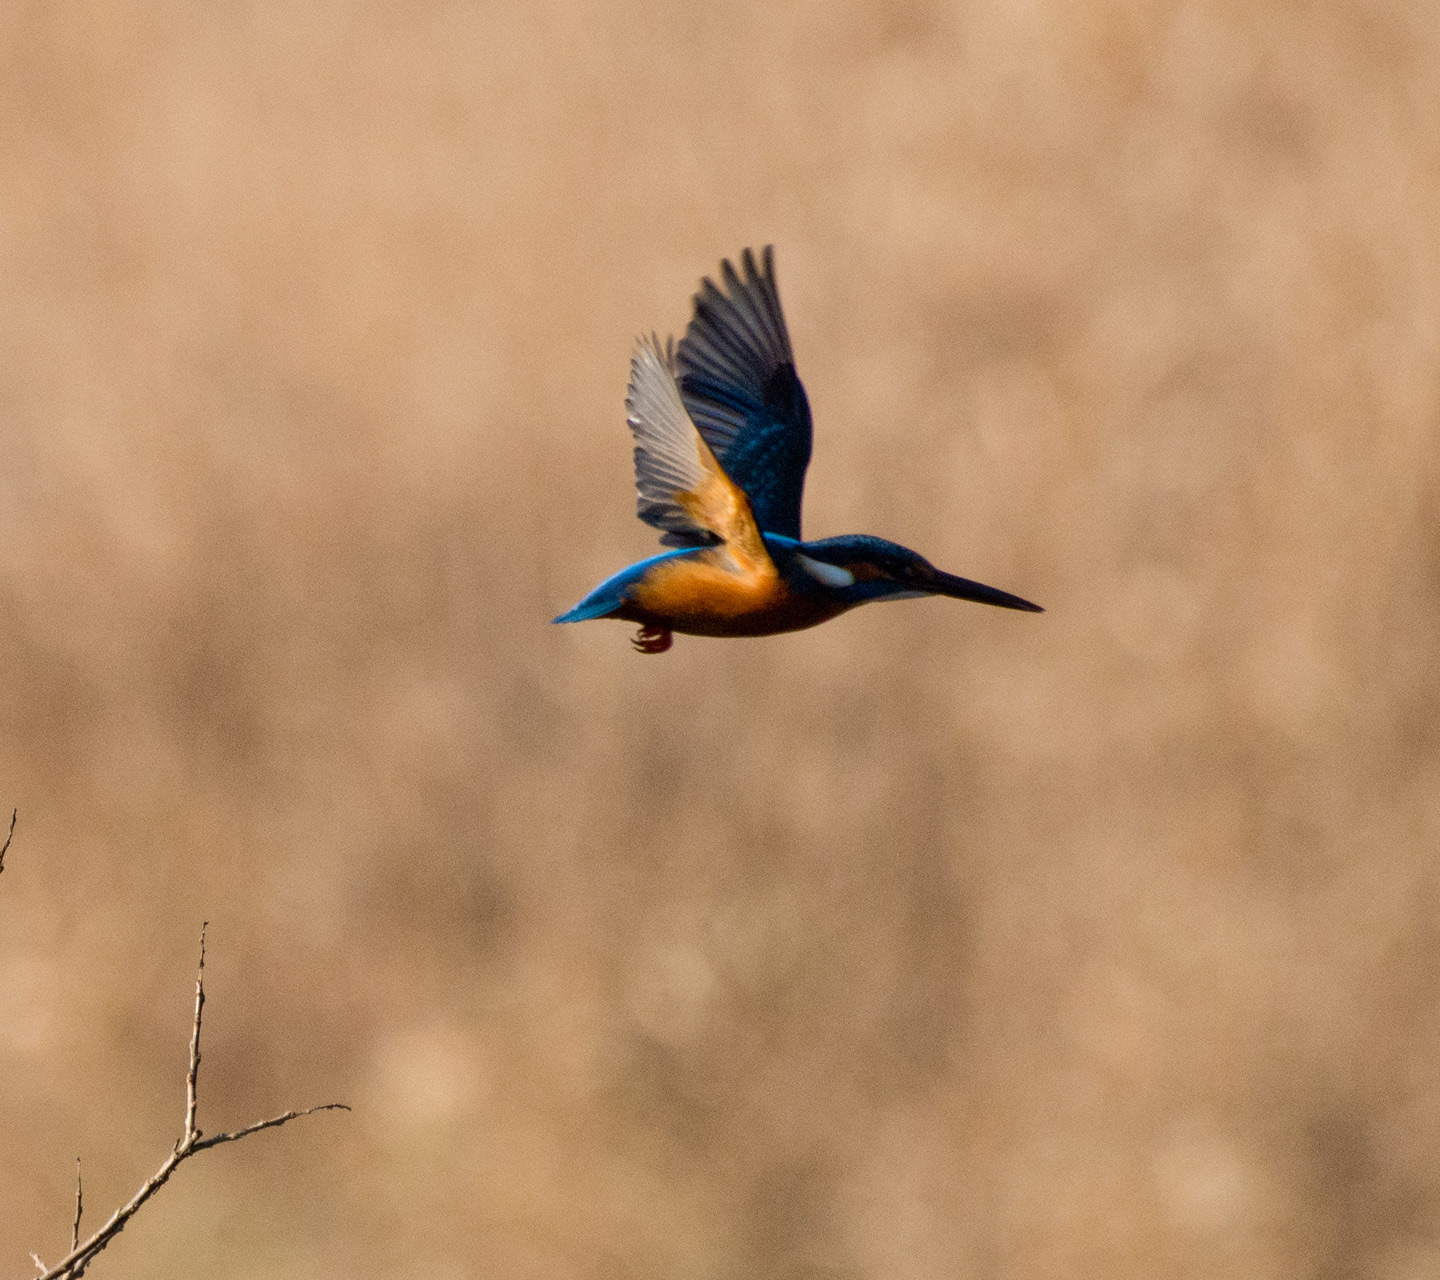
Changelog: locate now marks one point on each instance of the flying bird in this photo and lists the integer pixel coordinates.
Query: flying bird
(722, 439)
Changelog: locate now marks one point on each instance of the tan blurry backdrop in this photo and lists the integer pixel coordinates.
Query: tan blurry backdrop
(938, 942)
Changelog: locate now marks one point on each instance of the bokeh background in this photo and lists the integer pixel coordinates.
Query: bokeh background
(937, 942)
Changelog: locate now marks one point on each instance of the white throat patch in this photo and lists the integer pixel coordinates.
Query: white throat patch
(831, 575)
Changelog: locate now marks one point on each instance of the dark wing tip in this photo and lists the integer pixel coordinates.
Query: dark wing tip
(764, 274)
(737, 378)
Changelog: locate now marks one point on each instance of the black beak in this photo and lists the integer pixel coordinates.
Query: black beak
(947, 584)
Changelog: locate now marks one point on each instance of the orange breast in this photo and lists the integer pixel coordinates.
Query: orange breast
(702, 595)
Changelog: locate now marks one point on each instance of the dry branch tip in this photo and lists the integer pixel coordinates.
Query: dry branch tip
(79, 1208)
(4, 848)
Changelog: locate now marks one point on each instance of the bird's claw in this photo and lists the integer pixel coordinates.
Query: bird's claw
(653, 639)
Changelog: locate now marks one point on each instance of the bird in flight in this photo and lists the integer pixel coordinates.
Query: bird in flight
(722, 440)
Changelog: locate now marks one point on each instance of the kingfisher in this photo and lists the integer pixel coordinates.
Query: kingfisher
(722, 440)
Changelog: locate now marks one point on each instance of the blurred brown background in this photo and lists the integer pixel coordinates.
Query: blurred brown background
(938, 942)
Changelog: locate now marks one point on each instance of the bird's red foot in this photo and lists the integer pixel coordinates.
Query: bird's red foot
(653, 639)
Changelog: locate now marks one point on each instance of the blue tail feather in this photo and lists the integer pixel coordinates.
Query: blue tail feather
(610, 594)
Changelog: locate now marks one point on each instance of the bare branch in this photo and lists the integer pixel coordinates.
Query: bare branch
(79, 1208)
(14, 813)
(273, 1123)
(191, 1142)
(192, 1077)
(75, 1262)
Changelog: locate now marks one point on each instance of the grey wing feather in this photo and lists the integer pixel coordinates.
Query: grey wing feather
(667, 460)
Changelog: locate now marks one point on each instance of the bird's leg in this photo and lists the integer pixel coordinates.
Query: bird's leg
(653, 639)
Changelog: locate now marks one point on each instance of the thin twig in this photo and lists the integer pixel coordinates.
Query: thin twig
(192, 1076)
(4, 848)
(274, 1122)
(79, 1208)
(73, 1265)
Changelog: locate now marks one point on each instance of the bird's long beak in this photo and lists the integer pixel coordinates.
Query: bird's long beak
(947, 584)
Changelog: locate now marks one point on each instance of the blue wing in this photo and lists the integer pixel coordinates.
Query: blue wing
(738, 382)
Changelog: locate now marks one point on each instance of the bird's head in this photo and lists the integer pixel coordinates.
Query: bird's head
(858, 568)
